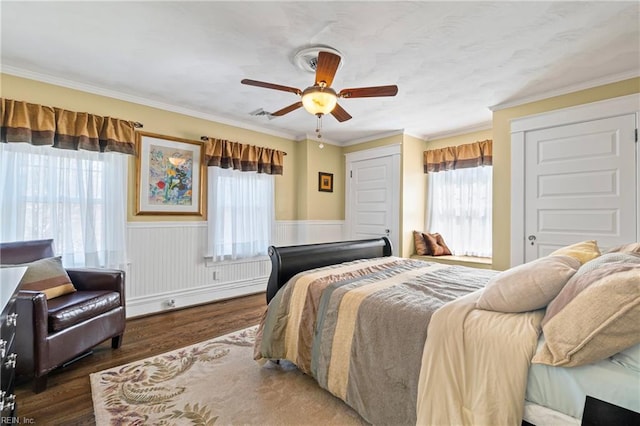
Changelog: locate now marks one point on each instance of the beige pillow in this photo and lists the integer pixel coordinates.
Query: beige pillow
(529, 286)
(48, 276)
(601, 319)
(626, 248)
(584, 251)
(421, 245)
(606, 259)
(588, 274)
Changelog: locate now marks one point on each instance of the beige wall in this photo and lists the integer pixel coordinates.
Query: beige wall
(301, 180)
(324, 205)
(502, 154)
(313, 204)
(165, 123)
(414, 186)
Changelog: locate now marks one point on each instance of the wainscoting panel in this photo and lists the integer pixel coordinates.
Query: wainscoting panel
(167, 267)
(293, 232)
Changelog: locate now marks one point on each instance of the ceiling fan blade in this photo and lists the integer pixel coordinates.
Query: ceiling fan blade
(288, 109)
(271, 86)
(340, 114)
(369, 92)
(326, 67)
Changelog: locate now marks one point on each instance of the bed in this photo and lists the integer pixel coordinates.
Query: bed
(355, 318)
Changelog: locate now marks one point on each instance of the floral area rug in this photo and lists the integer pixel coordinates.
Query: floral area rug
(215, 382)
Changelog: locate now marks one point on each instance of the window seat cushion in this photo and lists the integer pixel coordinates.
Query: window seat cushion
(471, 261)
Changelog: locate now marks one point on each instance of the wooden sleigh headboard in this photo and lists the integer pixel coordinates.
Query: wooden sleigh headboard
(289, 260)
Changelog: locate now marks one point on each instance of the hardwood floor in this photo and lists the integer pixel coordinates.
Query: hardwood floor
(67, 399)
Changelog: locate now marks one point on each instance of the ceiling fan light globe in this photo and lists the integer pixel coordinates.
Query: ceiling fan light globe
(318, 100)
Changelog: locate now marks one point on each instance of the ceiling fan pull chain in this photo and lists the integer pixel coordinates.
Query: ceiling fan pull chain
(319, 125)
(318, 128)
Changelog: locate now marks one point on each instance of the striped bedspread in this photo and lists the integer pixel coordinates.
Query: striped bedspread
(359, 328)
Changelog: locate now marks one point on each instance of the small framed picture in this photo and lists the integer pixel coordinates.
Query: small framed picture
(169, 175)
(325, 182)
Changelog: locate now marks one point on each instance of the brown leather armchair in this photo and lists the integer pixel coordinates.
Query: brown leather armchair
(52, 332)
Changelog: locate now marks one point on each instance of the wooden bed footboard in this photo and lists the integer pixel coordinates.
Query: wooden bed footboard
(289, 260)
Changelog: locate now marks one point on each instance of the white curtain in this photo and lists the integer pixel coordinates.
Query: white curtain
(459, 207)
(241, 213)
(78, 198)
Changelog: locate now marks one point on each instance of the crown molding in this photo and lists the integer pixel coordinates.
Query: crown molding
(486, 125)
(627, 104)
(566, 90)
(417, 136)
(96, 90)
(374, 137)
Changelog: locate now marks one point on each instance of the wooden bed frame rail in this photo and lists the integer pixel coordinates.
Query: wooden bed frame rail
(289, 260)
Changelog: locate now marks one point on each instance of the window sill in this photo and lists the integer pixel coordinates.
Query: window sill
(471, 261)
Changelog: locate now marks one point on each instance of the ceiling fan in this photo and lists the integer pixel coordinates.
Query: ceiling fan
(320, 98)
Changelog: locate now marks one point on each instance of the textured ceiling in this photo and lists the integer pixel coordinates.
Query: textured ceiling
(450, 60)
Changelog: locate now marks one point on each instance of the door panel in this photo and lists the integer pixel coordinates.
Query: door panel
(579, 222)
(371, 199)
(580, 184)
(595, 183)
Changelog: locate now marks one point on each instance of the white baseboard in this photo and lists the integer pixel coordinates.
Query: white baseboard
(183, 298)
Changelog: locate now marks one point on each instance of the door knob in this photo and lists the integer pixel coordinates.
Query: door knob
(531, 238)
(387, 231)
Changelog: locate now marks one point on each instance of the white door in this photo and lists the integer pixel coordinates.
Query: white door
(580, 184)
(373, 199)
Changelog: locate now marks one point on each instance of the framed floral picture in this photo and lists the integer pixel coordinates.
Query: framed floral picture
(170, 175)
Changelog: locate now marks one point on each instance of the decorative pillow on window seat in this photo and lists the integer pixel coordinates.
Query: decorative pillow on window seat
(436, 245)
(421, 245)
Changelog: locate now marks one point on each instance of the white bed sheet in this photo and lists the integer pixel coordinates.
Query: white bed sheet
(565, 389)
(543, 416)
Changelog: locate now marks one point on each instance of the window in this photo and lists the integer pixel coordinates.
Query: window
(241, 213)
(78, 198)
(459, 207)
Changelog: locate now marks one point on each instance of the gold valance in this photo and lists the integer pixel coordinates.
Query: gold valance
(45, 125)
(459, 157)
(239, 156)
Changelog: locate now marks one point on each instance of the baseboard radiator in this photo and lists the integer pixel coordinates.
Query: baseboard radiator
(167, 268)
